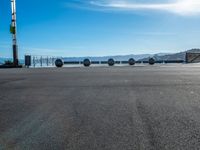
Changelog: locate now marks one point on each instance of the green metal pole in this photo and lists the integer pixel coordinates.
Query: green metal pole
(14, 33)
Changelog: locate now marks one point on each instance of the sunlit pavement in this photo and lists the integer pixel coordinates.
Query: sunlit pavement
(101, 108)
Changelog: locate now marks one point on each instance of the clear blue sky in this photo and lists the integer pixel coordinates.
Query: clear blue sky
(101, 27)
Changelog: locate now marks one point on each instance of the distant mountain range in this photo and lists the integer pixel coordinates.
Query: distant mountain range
(176, 56)
(2, 60)
(117, 57)
(142, 57)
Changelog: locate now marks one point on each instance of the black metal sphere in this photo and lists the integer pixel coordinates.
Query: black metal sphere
(86, 62)
(131, 61)
(111, 62)
(59, 63)
(151, 61)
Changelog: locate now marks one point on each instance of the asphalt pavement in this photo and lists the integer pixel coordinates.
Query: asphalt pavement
(100, 108)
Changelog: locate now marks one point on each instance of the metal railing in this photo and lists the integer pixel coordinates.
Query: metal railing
(36, 61)
(40, 61)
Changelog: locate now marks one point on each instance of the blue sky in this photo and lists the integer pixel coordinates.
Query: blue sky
(101, 27)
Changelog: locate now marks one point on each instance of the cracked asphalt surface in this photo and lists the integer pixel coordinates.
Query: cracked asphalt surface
(100, 108)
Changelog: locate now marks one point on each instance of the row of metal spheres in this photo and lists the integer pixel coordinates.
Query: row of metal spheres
(111, 62)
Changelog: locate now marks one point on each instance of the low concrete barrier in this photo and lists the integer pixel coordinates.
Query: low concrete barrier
(112, 62)
(72, 63)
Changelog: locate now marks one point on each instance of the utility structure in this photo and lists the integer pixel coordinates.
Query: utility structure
(13, 31)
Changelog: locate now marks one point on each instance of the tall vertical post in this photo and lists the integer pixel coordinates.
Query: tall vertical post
(13, 30)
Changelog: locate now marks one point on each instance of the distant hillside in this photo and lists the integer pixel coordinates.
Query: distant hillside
(2, 60)
(105, 58)
(176, 56)
(142, 57)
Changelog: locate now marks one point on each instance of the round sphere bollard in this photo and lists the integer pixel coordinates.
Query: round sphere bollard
(111, 62)
(131, 61)
(59, 63)
(151, 61)
(86, 62)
